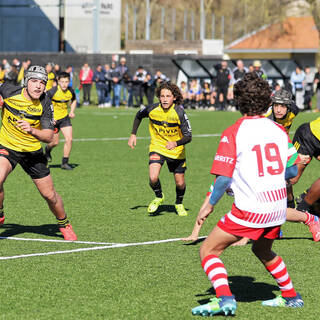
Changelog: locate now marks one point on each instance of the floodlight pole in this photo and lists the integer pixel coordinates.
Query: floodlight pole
(61, 44)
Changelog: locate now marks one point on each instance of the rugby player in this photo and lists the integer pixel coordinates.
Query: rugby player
(260, 157)
(62, 95)
(170, 130)
(27, 120)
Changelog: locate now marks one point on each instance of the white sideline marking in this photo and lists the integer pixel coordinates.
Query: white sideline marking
(53, 240)
(116, 245)
(206, 135)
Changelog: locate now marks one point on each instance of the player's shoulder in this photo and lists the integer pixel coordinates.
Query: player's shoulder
(71, 90)
(8, 90)
(179, 109)
(52, 91)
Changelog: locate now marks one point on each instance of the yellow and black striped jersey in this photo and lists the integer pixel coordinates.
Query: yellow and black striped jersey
(166, 125)
(39, 113)
(287, 121)
(51, 80)
(315, 128)
(60, 100)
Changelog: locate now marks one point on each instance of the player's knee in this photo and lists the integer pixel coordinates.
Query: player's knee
(181, 184)
(50, 197)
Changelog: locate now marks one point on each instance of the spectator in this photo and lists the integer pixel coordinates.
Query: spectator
(149, 88)
(128, 83)
(257, 68)
(184, 91)
(123, 69)
(108, 81)
(194, 94)
(224, 76)
(86, 75)
(116, 86)
(308, 88)
(69, 70)
(317, 88)
(139, 79)
(297, 80)
(57, 70)
(239, 71)
(159, 77)
(99, 79)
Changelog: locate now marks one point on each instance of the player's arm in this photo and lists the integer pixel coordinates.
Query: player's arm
(43, 135)
(73, 104)
(185, 130)
(221, 185)
(142, 113)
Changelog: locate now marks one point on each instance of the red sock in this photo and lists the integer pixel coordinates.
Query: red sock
(279, 272)
(310, 218)
(217, 274)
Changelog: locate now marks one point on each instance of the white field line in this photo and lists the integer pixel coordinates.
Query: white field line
(117, 245)
(206, 135)
(54, 240)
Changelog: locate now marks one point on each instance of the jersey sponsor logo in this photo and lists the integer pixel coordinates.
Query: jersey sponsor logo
(223, 159)
(33, 109)
(166, 131)
(4, 152)
(225, 139)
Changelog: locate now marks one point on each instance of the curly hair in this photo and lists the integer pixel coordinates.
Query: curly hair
(252, 94)
(173, 88)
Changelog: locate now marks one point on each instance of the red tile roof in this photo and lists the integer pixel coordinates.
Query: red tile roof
(293, 34)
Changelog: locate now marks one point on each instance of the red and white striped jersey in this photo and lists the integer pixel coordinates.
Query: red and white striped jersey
(255, 152)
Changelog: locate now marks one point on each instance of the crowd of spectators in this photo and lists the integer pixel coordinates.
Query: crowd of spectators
(116, 84)
(217, 93)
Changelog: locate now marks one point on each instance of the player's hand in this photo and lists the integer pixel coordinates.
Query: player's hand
(190, 238)
(171, 145)
(25, 126)
(204, 213)
(1, 101)
(132, 141)
(304, 159)
(71, 115)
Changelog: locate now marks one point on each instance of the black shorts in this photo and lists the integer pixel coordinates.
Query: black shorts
(305, 142)
(33, 163)
(64, 122)
(174, 165)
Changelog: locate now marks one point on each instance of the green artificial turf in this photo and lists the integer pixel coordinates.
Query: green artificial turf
(106, 198)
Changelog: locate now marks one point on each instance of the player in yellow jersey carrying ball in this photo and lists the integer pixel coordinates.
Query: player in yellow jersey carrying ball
(170, 130)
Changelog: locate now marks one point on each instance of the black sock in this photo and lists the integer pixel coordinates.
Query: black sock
(180, 195)
(1, 213)
(65, 160)
(62, 223)
(156, 187)
(303, 206)
(291, 203)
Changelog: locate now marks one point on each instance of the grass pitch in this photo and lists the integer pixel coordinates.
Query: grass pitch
(119, 269)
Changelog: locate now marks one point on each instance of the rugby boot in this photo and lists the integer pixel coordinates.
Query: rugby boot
(279, 301)
(2, 221)
(68, 233)
(66, 166)
(314, 228)
(181, 211)
(155, 203)
(225, 305)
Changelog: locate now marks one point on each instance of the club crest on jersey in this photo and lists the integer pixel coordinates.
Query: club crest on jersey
(225, 139)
